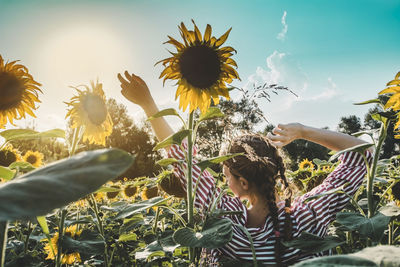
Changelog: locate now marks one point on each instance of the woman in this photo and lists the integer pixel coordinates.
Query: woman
(253, 177)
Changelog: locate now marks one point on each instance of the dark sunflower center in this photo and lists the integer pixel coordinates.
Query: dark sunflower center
(7, 157)
(96, 108)
(11, 91)
(31, 159)
(130, 190)
(200, 66)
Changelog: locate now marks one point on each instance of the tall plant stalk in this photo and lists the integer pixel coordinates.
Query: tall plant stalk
(189, 184)
(372, 170)
(3, 241)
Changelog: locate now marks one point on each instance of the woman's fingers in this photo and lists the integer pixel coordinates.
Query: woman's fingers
(277, 130)
(128, 76)
(122, 80)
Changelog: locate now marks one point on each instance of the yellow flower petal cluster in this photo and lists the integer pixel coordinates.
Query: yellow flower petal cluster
(393, 88)
(306, 164)
(33, 157)
(88, 109)
(201, 67)
(18, 91)
(69, 258)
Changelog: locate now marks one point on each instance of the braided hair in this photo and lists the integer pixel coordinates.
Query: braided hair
(262, 166)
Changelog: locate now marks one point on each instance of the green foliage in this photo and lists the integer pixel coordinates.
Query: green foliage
(215, 233)
(310, 243)
(175, 138)
(60, 183)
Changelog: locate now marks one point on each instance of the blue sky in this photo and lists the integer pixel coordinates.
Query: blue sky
(331, 53)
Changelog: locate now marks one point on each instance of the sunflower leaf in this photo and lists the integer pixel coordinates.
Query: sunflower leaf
(21, 166)
(6, 173)
(167, 161)
(211, 113)
(43, 224)
(164, 112)
(176, 139)
(24, 134)
(57, 184)
(211, 161)
(215, 233)
(371, 101)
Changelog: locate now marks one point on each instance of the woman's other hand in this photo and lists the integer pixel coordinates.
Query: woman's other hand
(135, 89)
(284, 134)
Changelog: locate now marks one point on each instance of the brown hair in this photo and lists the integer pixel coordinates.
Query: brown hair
(262, 166)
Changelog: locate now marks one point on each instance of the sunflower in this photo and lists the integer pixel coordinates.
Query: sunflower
(149, 192)
(393, 87)
(18, 90)
(130, 191)
(172, 186)
(201, 67)
(33, 157)
(9, 155)
(89, 109)
(306, 164)
(69, 258)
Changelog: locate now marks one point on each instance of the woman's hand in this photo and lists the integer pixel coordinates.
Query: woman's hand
(284, 134)
(135, 89)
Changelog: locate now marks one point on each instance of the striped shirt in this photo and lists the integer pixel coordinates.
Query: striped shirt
(313, 216)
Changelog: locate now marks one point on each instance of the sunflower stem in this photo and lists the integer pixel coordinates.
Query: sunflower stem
(100, 228)
(30, 229)
(60, 237)
(3, 241)
(372, 170)
(189, 189)
(75, 141)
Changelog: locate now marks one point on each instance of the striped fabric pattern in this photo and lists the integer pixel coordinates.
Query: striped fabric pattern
(313, 217)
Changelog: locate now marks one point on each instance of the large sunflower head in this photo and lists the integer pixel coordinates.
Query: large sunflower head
(89, 110)
(18, 91)
(33, 157)
(66, 258)
(201, 67)
(9, 155)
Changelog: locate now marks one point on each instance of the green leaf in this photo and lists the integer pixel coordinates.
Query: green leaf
(6, 173)
(216, 233)
(370, 256)
(211, 161)
(43, 224)
(176, 139)
(127, 237)
(166, 162)
(105, 189)
(372, 101)
(24, 134)
(21, 166)
(92, 247)
(390, 210)
(373, 227)
(339, 260)
(157, 248)
(358, 148)
(137, 207)
(211, 113)
(312, 243)
(164, 112)
(57, 184)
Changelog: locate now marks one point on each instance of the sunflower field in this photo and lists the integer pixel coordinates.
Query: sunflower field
(79, 210)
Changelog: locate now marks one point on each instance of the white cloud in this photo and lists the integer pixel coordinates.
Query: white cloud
(282, 69)
(282, 35)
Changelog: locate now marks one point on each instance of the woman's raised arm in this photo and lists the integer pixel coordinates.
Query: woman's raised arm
(135, 90)
(283, 134)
